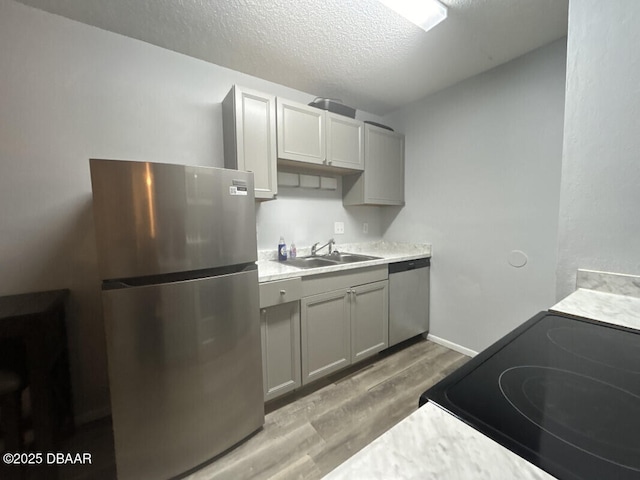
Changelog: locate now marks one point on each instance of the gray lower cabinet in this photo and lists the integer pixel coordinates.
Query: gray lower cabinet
(280, 328)
(318, 326)
(345, 324)
(326, 334)
(369, 319)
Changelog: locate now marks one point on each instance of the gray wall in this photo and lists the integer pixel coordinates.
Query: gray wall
(306, 216)
(70, 92)
(599, 225)
(483, 168)
(483, 162)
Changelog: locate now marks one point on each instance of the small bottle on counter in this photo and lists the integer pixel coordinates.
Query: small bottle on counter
(292, 250)
(282, 250)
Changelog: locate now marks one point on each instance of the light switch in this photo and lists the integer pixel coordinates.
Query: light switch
(338, 228)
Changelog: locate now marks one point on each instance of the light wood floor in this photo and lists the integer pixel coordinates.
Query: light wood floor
(309, 433)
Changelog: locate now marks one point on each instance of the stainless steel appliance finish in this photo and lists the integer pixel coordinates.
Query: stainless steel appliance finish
(408, 299)
(185, 371)
(177, 249)
(154, 218)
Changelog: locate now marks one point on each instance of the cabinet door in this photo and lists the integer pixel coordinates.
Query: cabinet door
(280, 327)
(384, 179)
(301, 132)
(382, 182)
(326, 334)
(345, 142)
(369, 319)
(249, 121)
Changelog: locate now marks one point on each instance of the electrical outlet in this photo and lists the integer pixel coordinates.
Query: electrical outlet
(338, 228)
(365, 227)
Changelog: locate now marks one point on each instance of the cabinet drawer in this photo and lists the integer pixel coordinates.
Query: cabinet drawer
(326, 282)
(280, 291)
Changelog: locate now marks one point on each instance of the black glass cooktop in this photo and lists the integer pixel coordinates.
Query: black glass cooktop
(562, 392)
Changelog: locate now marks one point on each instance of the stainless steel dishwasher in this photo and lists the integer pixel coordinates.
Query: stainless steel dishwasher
(408, 299)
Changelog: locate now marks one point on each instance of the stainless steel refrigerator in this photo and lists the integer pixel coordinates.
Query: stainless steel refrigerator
(177, 251)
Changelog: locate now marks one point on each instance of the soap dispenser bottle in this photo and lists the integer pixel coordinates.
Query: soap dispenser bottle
(282, 250)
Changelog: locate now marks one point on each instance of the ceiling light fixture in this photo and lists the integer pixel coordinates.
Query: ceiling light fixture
(424, 13)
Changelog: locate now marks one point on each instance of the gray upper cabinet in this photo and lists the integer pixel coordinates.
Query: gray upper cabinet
(311, 137)
(345, 142)
(249, 127)
(382, 182)
(301, 132)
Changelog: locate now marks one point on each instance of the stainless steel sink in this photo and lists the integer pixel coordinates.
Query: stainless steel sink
(335, 258)
(343, 257)
(309, 262)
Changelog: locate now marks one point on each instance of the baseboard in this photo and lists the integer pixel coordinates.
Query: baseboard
(453, 346)
(92, 415)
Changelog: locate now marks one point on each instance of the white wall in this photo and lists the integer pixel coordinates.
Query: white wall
(599, 225)
(482, 179)
(307, 216)
(70, 92)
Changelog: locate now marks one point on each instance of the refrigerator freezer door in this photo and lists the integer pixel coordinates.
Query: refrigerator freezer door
(185, 371)
(154, 218)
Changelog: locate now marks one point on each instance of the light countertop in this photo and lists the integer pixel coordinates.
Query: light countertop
(433, 444)
(270, 269)
(604, 307)
(606, 297)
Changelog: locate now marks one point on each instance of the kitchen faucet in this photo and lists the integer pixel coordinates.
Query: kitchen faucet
(315, 248)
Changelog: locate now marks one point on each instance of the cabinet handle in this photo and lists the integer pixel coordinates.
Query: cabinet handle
(283, 292)
(264, 310)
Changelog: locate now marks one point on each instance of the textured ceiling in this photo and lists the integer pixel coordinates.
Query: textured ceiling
(357, 50)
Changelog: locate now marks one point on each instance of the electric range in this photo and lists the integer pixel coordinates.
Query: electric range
(561, 392)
